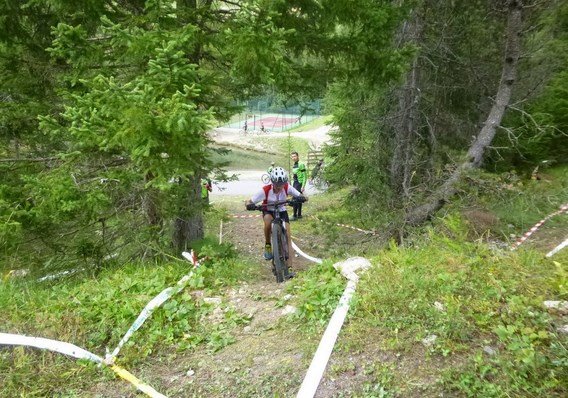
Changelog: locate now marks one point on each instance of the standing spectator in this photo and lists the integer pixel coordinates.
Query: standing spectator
(245, 127)
(270, 168)
(205, 189)
(300, 177)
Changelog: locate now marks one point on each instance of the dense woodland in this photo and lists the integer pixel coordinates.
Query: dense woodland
(449, 141)
(103, 104)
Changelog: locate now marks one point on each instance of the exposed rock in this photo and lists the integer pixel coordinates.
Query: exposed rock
(563, 329)
(349, 267)
(429, 340)
(289, 309)
(212, 300)
(556, 306)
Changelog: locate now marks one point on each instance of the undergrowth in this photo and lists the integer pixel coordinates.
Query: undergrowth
(94, 313)
(480, 307)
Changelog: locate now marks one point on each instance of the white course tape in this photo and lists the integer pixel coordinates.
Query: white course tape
(365, 231)
(557, 248)
(152, 305)
(301, 253)
(59, 274)
(51, 345)
(75, 352)
(246, 216)
(319, 362)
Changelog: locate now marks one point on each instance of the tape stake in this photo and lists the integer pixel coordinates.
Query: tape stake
(301, 253)
(557, 248)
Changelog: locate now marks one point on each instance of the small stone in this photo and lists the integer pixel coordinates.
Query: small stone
(563, 329)
(287, 297)
(429, 340)
(190, 373)
(289, 309)
(439, 306)
(489, 350)
(247, 329)
(557, 306)
(212, 300)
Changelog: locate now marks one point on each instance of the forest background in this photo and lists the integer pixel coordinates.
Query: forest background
(106, 109)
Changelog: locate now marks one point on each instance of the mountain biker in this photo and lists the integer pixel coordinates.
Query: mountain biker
(300, 178)
(275, 192)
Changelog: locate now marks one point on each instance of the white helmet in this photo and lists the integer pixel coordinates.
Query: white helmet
(278, 175)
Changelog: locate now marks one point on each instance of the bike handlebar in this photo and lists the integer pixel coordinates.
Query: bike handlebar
(276, 204)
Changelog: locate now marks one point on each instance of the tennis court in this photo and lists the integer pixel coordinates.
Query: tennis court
(271, 122)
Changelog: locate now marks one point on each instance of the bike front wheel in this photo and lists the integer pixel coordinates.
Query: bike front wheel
(279, 253)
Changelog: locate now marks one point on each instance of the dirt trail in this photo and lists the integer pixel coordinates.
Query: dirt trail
(262, 362)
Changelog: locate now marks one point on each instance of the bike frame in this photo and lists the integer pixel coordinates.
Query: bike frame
(279, 241)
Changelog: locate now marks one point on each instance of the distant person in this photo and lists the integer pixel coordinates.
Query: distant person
(300, 178)
(206, 187)
(262, 129)
(245, 127)
(270, 168)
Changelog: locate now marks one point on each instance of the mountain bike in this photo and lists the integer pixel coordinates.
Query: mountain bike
(279, 241)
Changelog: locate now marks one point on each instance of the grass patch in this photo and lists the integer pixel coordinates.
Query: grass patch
(285, 146)
(313, 124)
(95, 313)
(248, 159)
(469, 297)
(317, 291)
(520, 203)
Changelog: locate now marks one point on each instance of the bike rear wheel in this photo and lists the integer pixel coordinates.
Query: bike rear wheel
(279, 251)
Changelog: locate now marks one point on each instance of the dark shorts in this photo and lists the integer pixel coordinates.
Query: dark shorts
(283, 215)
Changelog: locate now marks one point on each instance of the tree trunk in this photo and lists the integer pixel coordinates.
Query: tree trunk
(407, 123)
(188, 225)
(150, 205)
(477, 149)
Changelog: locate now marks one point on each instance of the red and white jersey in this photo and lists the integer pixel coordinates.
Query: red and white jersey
(267, 195)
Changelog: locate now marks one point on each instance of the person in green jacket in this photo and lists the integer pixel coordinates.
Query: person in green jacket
(300, 177)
